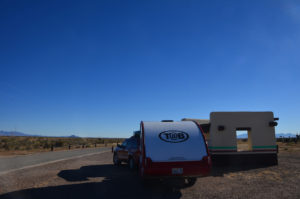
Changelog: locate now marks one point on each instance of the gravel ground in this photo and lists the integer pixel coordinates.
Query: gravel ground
(95, 177)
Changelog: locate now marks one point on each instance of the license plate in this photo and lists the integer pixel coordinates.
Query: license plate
(177, 170)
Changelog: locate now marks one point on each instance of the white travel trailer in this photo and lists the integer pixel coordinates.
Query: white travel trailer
(173, 149)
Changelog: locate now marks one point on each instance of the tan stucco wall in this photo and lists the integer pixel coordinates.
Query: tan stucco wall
(261, 133)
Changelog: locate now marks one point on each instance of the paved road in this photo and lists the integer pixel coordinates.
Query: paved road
(95, 176)
(13, 163)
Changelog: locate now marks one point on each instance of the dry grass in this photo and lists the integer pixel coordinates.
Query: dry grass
(289, 146)
(283, 146)
(15, 145)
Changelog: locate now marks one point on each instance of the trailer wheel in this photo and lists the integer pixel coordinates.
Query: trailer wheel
(141, 171)
(131, 164)
(145, 181)
(116, 160)
(191, 181)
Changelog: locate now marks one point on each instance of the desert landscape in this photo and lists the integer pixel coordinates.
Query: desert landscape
(95, 176)
(150, 99)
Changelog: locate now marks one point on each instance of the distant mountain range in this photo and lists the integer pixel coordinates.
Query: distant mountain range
(285, 135)
(278, 135)
(15, 133)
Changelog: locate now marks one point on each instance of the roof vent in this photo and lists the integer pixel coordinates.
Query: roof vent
(167, 121)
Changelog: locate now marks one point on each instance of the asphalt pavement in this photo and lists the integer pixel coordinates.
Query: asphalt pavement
(8, 164)
(95, 176)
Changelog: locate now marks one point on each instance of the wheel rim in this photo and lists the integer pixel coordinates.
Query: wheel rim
(115, 159)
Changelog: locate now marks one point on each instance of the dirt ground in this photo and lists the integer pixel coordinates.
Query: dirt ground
(95, 177)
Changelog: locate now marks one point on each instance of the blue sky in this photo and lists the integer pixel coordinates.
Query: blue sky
(97, 68)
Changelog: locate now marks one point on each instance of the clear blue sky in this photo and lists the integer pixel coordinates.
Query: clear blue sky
(97, 68)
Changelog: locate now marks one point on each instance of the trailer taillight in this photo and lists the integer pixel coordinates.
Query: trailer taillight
(148, 162)
(207, 159)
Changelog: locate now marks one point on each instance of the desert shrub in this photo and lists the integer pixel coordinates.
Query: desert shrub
(36, 146)
(29, 143)
(6, 147)
(58, 143)
(46, 145)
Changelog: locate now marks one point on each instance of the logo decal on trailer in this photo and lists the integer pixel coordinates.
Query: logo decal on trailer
(173, 136)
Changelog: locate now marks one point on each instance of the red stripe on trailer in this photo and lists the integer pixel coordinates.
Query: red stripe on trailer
(190, 168)
(212, 150)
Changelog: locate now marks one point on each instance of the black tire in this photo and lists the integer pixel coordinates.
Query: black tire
(131, 164)
(149, 181)
(116, 160)
(191, 181)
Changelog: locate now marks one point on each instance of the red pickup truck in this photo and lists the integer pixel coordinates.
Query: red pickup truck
(128, 152)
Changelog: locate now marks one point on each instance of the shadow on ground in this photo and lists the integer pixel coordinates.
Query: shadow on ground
(111, 182)
(115, 182)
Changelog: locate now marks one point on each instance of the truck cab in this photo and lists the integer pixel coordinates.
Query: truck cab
(127, 152)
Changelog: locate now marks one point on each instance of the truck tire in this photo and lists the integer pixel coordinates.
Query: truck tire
(116, 160)
(191, 181)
